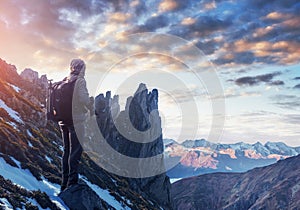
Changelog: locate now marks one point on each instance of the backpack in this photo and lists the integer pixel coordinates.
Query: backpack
(59, 103)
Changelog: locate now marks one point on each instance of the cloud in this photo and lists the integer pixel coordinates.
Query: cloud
(153, 23)
(292, 119)
(208, 47)
(291, 102)
(297, 86)
(273, 37)
(246, 81)
(74, 28)
(173, 5)
(167, 5)
(205, 25)
(266, 78)
(237, 58)
(277, 83)
(119, 17)
(296, 78)
(231, 93)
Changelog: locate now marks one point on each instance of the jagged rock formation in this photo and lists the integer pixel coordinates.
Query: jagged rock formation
(33, 77)
(82, 197)
(272, 187)
(140, 112)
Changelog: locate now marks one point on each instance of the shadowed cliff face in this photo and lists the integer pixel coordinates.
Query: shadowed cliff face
(136, 133)
(273, 187)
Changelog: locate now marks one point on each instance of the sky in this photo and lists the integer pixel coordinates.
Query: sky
(226, 71)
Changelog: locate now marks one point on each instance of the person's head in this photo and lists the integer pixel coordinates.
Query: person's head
(77, 66)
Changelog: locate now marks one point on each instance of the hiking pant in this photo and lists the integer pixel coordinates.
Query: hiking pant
(71, 153)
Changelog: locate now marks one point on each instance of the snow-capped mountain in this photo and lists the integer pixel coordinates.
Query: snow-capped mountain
(200, 156)
(271, 187)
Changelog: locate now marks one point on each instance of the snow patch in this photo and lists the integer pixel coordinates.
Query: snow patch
(31, 136)
(49, 159)
(4, 204)
(228, 168)
(105, 195)
(29, 133)
(29, 144)
(61, 148)
(12, 113)
(24, 179)
(16, 162)
(175, 180)
(13, 125)
(17, 89)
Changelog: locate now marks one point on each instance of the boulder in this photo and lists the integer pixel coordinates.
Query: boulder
(82, 197)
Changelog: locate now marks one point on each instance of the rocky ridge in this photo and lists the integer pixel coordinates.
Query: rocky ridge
(201, 157)
(272, 187)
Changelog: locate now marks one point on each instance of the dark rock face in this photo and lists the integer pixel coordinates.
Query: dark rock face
(273, 187)
(136, 132)
(33, 77)
(82, 197)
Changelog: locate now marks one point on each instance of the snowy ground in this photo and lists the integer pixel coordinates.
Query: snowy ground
(12, 113)
(25, 179)
(105, 195)
(175, 180)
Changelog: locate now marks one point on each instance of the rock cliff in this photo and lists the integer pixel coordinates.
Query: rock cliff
(136, 132)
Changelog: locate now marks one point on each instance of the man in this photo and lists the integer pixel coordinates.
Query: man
(73, 130)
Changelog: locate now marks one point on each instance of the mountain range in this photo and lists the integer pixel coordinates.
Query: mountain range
(271, 187)
(201, 157)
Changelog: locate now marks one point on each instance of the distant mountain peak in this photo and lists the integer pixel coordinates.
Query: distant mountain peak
(239, 157)
(272, 187)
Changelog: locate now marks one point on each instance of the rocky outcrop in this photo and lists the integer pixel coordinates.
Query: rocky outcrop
(136, 132)
(33, 77)
(30, 75)
(272, 187)
(82, 197)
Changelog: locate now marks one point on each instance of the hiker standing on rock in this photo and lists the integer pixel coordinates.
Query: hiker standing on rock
(74, 105)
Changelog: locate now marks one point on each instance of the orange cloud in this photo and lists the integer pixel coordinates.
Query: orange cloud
(119, 17)
(292, 22)
(188, 21)
(210, 6)
(167, 5)
(262, 31)
(276, 16)
(287, 52)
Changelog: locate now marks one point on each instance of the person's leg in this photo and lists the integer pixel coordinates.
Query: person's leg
(75, 153)
(65, 158)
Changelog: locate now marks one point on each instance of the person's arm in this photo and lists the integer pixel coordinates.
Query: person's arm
(83, 94)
